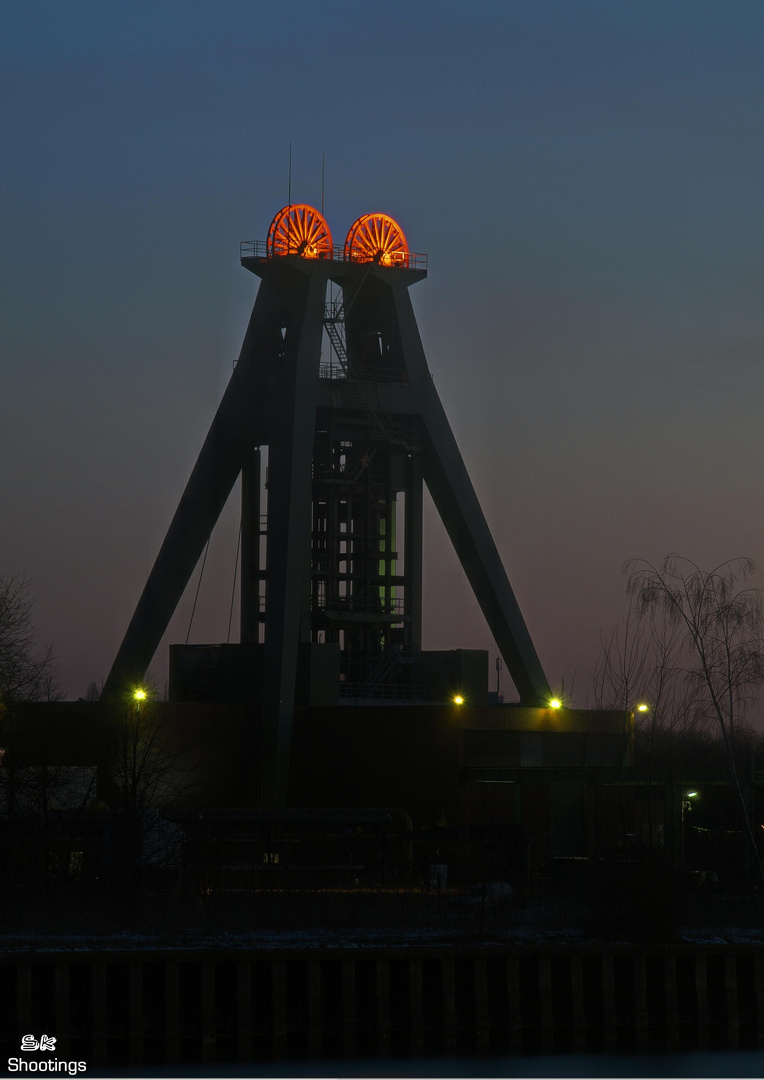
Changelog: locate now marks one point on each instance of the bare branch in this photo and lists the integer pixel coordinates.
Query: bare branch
(719, 647)
(26, 666)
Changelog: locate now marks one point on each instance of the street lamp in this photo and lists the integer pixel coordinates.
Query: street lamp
(686, 807)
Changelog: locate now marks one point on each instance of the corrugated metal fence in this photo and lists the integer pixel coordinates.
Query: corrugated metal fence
(167, 1006)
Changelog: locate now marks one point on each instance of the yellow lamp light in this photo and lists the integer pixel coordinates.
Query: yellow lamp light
(458, 699)
(555, 703)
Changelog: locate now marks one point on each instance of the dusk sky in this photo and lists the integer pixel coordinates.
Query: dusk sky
(587, 179)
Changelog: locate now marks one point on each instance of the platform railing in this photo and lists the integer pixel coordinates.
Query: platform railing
(258, 249)
(369, 605)
(364, 691)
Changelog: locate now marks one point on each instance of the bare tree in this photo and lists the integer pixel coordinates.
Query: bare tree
(26, 666)
(93, 692)
(719, 647)
(641, 674)
(26, 674)
(148, 775)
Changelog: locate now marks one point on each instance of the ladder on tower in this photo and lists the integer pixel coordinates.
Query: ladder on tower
(337, 311)
(379, 670)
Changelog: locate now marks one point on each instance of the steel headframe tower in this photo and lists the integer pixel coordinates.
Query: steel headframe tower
(350, 442)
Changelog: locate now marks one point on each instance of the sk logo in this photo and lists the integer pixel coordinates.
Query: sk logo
(47, 1042)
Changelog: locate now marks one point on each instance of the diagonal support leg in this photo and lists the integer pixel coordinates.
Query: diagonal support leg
(233, 433)
(449, 484)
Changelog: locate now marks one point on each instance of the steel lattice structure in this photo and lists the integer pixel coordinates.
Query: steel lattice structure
(350, 445)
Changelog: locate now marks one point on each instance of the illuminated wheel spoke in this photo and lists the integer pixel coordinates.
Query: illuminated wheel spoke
(376, 238)
(299, 230)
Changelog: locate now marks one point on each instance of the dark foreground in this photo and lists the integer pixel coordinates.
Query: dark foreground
(170, 1009)
(738, 1063)
(408, 984)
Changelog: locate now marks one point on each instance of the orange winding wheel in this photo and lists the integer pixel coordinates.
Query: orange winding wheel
(299, 230)
(377, 238)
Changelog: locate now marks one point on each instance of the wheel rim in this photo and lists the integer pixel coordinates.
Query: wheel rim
(376, 238)
(299, 230)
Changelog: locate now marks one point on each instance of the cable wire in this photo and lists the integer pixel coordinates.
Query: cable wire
(198, 587)
(233, 590)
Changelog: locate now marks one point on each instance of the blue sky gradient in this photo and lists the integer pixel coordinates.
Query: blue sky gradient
(587, 181)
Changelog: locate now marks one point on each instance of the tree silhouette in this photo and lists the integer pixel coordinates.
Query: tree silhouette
(148, 774)
(26, 666)
(26, 674)
(720, 648)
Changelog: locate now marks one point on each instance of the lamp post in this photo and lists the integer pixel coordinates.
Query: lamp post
(686, 807)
